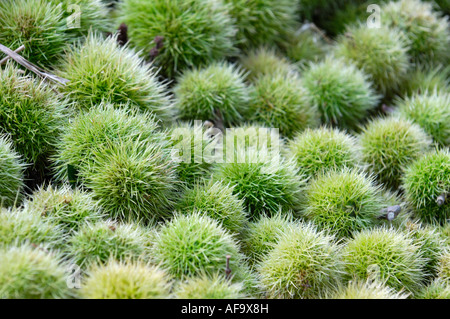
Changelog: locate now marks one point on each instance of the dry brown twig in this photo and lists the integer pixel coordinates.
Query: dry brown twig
(28, 65)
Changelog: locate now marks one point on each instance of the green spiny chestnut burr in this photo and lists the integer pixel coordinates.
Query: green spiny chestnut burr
(266, 182)
(190, 245)
(195, 147)
(216, 200)
(426, 183)
(343, 202)
(426, 29)
(215, 286)
(11, 174)
(123, 160)
(381, 52)
(262, 235)
(32, 114)
(96, 243)
(430, 243)
(133, 180)
(389, 145)
(31, 273)
(179, 34)
(322, 149)
(386, 255)
(308, 43)
(282, 102)
(266, 61)
(444, 266)
(101, 126)
(303, 264)
(217, 92)
(425, 79)
(358, 289)
(445, 231)
(38, 25)
(19, 226)
(64, 206)
(343, 93)
(438, 289)
(126, 280)
(100, 70)
(261, 22)
(430, 110)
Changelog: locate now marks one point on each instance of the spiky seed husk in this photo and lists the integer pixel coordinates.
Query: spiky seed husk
(445, 231)
(430, 243)
(101, 126)
(216, 92)
(31, 273)
(195, 32)
(261, 235)
(302, 264)
(64, 206)
(389, 145)
(204, 286)
(133, 181)
(32, 114)
(99, 70)
(426, 179)
(216, 200)
(386, 255)
(427, 30)
(266, 182)
(38, 25)
(381, 52)
(343, 93)
(126, 280)
(261, 22)
(308, 43)
(282, 102)
(95, 244)
(194, 146)
(11, 174)
(18, 226)
(319, 150)
(438, 289)
(444, 266)
(265, 61)
(425, 79)
(430, 110)
(358, 289)
(343, 202)
(194, 244)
